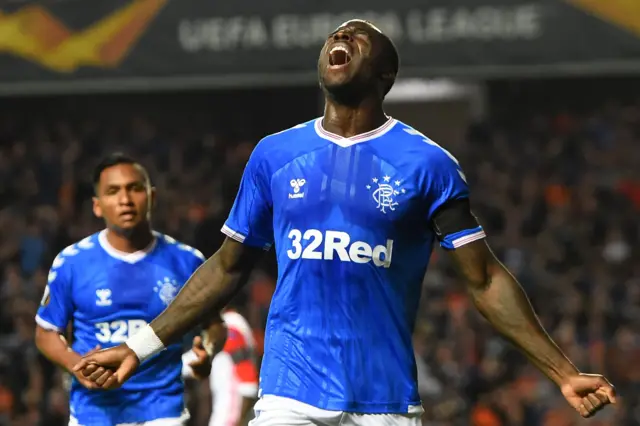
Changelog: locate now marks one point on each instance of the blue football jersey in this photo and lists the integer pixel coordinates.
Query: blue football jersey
(107, 296)
(350, 220)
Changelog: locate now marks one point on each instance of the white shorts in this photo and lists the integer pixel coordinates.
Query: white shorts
(278, 411)
(179, 421)
(160, 422)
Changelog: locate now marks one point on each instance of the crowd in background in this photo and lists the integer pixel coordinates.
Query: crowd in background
(558, 190)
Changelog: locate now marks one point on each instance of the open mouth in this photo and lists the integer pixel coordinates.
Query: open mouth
(339, 57)
(129, 215)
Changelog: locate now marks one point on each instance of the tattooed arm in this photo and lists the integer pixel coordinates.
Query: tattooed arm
(208, 290)
(503, 302)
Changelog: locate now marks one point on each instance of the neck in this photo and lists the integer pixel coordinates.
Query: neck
(351, 120)
(130, 241)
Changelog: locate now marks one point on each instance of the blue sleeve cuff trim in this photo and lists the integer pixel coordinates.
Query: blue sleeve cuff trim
(460, 238)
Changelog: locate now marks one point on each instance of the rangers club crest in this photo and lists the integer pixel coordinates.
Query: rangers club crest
(385, 194)
(167, 290)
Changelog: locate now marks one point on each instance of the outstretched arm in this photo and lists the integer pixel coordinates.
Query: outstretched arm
(495, 292)
(503, 302)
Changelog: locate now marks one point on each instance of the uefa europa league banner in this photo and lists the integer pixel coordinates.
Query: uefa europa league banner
(64, 43)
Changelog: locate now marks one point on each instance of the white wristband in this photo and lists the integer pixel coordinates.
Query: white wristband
(145, 343)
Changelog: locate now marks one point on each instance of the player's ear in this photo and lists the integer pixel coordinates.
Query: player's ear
(388, 79)
(388, 76)
(97, 209)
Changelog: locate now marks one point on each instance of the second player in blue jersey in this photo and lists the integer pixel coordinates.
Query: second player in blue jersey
(109, 286)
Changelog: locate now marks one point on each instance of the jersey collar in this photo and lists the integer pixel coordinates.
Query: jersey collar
(124, 256)
(362, 137)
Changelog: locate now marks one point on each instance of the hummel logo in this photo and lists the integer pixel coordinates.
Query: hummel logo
(296, 184)
(104, 297)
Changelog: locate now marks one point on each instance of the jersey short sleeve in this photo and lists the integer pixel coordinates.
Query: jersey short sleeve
(251, 219)
(56, 306)
(447, 185)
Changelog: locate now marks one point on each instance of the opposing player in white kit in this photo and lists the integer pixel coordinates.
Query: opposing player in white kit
(234, 374)
(354, 202)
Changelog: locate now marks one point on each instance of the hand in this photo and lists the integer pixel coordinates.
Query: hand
(202, 365)
(588, 393)
(83, 380)
(120, 360)
(215, 336)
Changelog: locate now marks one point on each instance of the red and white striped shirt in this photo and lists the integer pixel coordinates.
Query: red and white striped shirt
(234, 373)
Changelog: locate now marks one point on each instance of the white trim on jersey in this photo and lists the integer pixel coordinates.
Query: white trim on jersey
(363, 137)
(466, 239)
(235, 235)
(46, 324)
(121, 255)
